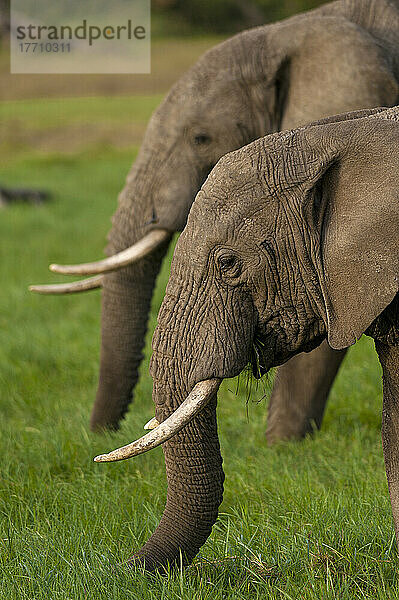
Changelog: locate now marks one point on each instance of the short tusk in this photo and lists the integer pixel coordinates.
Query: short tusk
(152, 423)
(93, 283)
(192, 405)
(117, 261)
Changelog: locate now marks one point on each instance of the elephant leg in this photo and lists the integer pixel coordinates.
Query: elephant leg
(300, 393)
(389, 359)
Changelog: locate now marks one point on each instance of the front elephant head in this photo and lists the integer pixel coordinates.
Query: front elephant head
(291, 239)
(253, 84)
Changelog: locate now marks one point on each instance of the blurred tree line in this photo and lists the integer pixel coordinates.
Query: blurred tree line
(229, 16)
(217, 16)
(4, 17)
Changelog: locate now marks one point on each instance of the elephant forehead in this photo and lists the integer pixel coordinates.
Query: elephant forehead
(206, 80)
(269, 169)
(237, 187)
(231, 226)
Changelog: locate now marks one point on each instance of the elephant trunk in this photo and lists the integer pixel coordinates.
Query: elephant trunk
(194, 476)
(126, 303)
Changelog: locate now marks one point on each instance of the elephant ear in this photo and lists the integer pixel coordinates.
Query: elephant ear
(354, 213)
(332, 66)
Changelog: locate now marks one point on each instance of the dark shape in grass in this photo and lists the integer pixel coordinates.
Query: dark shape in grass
(26, 195)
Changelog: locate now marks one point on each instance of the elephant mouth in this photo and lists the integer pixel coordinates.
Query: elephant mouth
(195, 402)
(257, 358)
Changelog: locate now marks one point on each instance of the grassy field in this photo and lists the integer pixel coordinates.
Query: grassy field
(299, 521)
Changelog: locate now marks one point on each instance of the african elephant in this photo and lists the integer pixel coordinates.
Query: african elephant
(340, 57)
(292, 240)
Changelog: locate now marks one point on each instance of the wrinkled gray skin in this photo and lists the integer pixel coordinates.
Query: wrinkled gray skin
(340, 57)
(291, 240)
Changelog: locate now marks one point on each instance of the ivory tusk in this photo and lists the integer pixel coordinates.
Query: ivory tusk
(75, 287)
(117, 261)
(197, 399)
(152, 423)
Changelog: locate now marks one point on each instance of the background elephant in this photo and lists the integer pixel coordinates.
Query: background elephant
(291, 240)
(339, 57)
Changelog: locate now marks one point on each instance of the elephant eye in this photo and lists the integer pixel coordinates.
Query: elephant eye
(229, 263)
(201, 138)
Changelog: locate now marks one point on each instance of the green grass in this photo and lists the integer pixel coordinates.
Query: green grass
(77, 110)
(299, 521)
